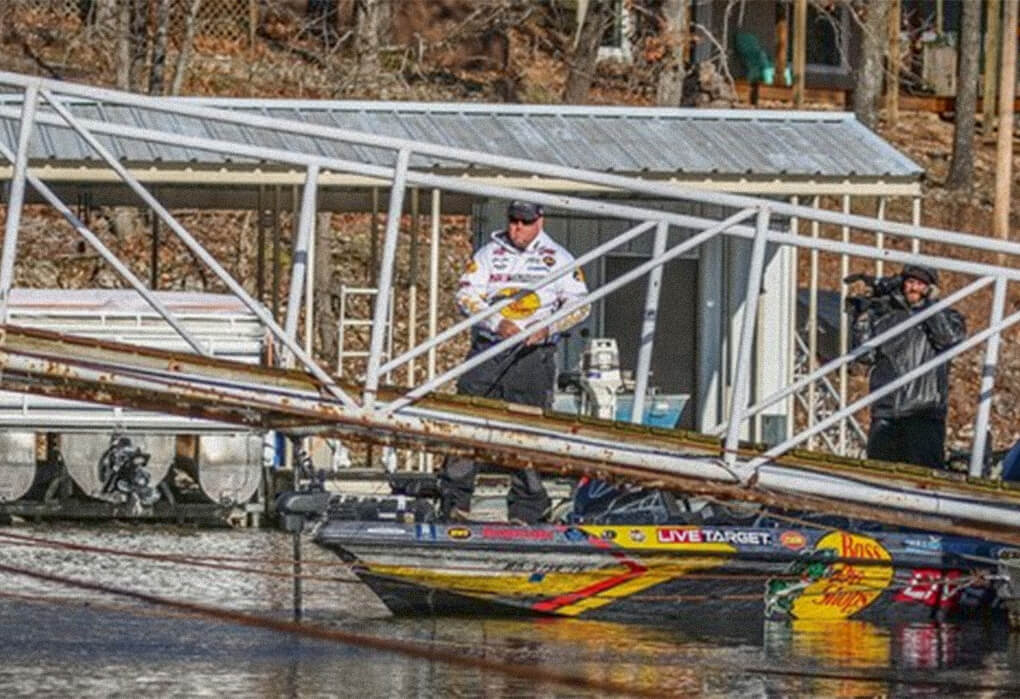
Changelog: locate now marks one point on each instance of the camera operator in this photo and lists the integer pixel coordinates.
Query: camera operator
(909, 424)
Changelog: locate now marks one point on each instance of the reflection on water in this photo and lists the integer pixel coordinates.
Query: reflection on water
(61, 641)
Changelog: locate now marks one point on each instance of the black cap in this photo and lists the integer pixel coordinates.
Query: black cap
(524, 211)
(925, 274)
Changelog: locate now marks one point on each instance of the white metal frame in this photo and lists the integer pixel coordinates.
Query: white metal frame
(403, 415)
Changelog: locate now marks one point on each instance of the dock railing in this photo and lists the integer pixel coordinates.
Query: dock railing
(180, 123)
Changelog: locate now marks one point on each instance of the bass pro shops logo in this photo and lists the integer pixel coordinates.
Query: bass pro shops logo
(522, 308)
(859, 573)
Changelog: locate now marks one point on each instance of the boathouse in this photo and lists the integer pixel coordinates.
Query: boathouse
(826, 159)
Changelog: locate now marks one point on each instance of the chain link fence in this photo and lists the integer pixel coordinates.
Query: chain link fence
(232, 20)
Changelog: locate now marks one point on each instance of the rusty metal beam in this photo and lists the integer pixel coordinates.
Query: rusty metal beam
(47, 363)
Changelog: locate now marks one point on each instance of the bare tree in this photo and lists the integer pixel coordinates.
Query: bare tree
(184, 50)
(676, 35)
(138, 37)
(124, 44)
(370, 19)
(961, 169)
(159, 43)
(593, 18)
(102, 12)
(325, 317)
(868, 71)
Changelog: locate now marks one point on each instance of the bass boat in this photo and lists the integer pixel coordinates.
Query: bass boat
(707, 572)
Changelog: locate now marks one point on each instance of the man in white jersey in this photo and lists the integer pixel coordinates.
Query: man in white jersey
(512, 264)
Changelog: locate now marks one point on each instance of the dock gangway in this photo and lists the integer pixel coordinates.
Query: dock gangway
(303, 398)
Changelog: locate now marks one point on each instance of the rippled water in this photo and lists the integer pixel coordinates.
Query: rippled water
(61, 641)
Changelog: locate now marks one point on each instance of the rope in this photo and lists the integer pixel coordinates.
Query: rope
(407, 648)
(962, 581)
(967, 686)
(412, 649)
(24, 540)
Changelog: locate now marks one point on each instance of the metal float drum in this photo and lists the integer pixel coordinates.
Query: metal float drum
(230, 466)
(83, 451)
(17, 464)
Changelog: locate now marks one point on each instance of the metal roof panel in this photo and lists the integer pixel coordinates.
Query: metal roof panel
(644, 140)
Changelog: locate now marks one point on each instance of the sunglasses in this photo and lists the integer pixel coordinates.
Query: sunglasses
(526, 222)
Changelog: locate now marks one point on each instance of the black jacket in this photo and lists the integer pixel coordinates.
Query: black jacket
(928, 394)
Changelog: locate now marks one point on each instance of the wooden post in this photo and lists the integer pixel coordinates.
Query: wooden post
(990, 90)
(892, 90)
(1004, 147)
(799, 51)
(154, 253)
(253, 22)
(260, 245)
(782, 43)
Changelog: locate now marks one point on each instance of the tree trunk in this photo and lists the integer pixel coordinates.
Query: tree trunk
(1004, 142)
(157, 74)
(124, 44)
(104, 13)
(675, 35)
(892, 89)
(139, 41)
(993, 17)
(868, 72)
(369, 21)
(961, 170)
(184, 53)
(326, 320)
(584, 54)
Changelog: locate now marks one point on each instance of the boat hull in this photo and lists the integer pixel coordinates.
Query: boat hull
(669, 574)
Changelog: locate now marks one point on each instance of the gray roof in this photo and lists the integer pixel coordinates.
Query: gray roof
(646, 141)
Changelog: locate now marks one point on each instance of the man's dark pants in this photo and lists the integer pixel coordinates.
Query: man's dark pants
(914, 439)
(519, 375)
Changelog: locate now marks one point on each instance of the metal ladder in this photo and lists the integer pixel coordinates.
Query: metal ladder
(344, 322)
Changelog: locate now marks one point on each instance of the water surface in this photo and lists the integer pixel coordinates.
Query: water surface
(62, 641)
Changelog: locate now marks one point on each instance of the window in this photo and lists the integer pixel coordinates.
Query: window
(616, 40)
(827, 38)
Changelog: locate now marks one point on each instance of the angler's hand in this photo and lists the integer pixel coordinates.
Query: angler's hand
(537, 337)
(506, 328)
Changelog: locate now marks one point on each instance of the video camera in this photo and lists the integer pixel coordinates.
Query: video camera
(878, 291)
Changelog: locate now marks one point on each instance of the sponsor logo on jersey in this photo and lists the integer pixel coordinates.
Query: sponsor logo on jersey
(523, 307)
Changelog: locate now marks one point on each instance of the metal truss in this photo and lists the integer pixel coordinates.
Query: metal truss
(312, 401)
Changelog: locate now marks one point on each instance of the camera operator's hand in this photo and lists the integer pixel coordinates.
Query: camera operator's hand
(884, 286)
(932, 293)
(856, 305)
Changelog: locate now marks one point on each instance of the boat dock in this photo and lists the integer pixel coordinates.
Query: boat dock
(771, 417)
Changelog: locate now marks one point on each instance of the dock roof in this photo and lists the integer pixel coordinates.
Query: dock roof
(759, 151)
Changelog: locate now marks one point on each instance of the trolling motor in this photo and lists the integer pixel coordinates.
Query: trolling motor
(309, 500)
(122, 470)
(410, 499)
